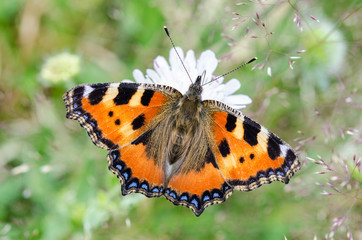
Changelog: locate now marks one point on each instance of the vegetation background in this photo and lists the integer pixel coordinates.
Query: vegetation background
(54, 184)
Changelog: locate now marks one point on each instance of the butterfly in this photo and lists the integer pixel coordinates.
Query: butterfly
(192, 151)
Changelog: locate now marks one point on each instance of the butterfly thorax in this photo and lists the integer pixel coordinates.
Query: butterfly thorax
(186, 126)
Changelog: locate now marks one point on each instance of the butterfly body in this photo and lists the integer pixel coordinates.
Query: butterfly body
(161, 143)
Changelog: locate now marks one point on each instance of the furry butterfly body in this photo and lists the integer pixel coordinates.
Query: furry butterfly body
(163, 143)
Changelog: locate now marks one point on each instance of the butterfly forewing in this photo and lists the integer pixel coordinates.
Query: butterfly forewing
(114, 114)
(248, 154)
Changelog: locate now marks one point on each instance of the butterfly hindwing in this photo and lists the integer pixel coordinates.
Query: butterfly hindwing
(197, 189)
(137, 172)
(248, 154)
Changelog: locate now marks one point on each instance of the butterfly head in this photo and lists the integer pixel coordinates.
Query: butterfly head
(195, 90)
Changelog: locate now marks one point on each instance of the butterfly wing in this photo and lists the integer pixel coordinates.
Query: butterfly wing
(241, 155)
(117, 117)
(247, 153)
(114, 114)
(198, 189)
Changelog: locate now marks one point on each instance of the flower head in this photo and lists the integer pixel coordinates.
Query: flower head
(60, 67)
(174, 75)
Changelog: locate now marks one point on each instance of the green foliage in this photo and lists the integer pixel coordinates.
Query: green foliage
(54, 184)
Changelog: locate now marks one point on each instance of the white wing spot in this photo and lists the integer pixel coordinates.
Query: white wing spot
(87, 90)
(284, 149)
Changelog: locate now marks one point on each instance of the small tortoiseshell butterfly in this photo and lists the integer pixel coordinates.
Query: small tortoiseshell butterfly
(161, 143)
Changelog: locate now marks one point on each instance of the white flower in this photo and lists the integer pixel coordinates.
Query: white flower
(174, 75)
(60, 67)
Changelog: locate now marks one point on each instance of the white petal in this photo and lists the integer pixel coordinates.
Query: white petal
(180, 79)
(190, 63)
(219, 80)
(217, 87)
(139, 77)
(238, 99)
(163, 69)
(160, 63)
(149, 80)
(152, 74)
(231, 86)
(207, 62)
(211, 94)
(174, 60)
(127, 81)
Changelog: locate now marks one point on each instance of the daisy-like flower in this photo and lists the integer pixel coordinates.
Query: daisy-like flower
(174, 75)
(60, 67)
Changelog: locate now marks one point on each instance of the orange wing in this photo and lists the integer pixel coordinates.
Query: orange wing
(114, 114)
(248, 154)
(198, 189)
(136, 172)
(243, 156)
(116, 117)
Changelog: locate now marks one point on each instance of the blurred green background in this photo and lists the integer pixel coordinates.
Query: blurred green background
(54, 183)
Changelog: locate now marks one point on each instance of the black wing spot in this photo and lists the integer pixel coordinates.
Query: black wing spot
(184, 197)
(143, 138)
(117, 122)
(274, 146)
(241, 160)
(138, 122)
(224, 148)
(144, 185)
(216, 193)
(206, 196)
(252, 156)
(115, 156)
(108, 143)
(290, 157)
(124, 95)
(146, 97)
(280, 172)
(78, 91)
(270, 172)
(210, 158)
(134, 183)
(251, 130)
(195, 200)
(97, 95)
(260, 174)
(230, 123)
(156, 190)
(173, 194)
(127, 173)
(110, 113)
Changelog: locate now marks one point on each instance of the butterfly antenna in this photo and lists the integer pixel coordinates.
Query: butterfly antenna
(220, 76)
(173, 45)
